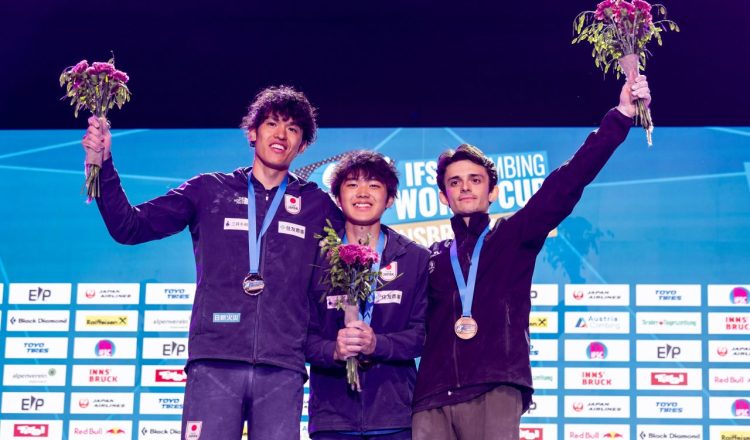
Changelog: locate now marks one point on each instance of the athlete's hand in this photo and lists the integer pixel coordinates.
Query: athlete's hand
(365, 337)
(97, 142)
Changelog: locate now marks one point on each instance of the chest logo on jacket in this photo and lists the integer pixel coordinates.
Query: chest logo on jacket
(292, 204)
(389, 272)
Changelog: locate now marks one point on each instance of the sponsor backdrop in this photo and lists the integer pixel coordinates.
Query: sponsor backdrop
(640, 326)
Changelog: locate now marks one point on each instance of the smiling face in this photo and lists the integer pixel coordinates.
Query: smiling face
(363, 200)
(467, 188)
(277, 142)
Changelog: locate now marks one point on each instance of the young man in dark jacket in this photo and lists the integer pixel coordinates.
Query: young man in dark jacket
(474, 378)
(390, 332)
(249, 320)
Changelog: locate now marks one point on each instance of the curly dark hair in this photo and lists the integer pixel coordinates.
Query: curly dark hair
(366, 164)
(465, 152)
(285, 102)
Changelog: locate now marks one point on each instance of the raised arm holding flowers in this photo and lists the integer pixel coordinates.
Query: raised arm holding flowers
(619, 31)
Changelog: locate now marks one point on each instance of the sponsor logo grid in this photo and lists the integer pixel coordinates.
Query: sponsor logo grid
(608, 361)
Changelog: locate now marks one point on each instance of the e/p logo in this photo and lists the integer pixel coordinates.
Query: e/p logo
(39, 294)
(173, 349)
(668, 352)
(32, 404)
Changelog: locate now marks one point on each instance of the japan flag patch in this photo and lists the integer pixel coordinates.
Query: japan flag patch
(389, 272)
(292, 203)
(193, 430)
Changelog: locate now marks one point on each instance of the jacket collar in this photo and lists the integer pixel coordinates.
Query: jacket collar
(477, 222)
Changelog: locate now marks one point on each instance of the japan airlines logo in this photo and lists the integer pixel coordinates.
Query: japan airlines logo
(577, 406)
(669, 378)
(722, 351)
(31, 430)
(738, 295)
(578, 295)
(596, 351)
(170, 376)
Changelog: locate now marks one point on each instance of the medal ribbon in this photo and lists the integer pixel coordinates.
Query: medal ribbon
(370, 302)
(252, 234)
(466, 288)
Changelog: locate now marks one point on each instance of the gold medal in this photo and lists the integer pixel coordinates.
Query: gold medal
(466, 327)
(253, 284)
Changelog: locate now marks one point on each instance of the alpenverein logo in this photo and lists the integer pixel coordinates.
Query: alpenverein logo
(107, 321)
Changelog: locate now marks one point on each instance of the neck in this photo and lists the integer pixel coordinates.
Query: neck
(268, 177)
(363, 233)
(466, 219)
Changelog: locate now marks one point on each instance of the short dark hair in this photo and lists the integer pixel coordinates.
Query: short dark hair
(465, 152)
(284, 102)
(366, 164)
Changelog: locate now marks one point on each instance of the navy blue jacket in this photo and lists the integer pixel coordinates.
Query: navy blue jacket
(388, 378)
(270, 328)
(454, 370)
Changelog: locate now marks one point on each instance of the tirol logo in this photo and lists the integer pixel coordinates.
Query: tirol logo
(741, 408)
(596, 351)
(292, 204)
(193, 430)
(531, 434)
(389, 272)
(105, 348)
(36, 430)
(738, 295)
(669, 378)
(170, 376)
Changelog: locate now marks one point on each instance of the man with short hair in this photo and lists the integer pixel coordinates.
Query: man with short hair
(390, 331)
(249, 228)
(474, 378)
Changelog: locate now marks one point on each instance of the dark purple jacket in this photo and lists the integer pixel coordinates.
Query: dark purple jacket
(499, 353)
(270, 328)
(388, 380)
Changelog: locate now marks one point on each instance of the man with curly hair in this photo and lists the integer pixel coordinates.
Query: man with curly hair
(253, 239)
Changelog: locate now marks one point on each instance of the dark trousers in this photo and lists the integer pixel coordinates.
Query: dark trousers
(495, 415)
(335, 435)
(221, 395)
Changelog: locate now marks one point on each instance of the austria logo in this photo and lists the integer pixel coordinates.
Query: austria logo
(596, 351)
(292, 204)
(738, 295)
(389, 272)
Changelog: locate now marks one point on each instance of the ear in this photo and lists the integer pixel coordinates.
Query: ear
(494, 193)
(443, 198)
(389, 203)
(252, 135)
(302, 147)
(338, 201)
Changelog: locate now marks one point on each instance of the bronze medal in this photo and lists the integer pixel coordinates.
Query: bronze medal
(253, 284)
(466, 327)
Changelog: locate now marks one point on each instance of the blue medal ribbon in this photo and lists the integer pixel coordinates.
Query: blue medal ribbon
(466, 288)
(370, 303)
(252, 233)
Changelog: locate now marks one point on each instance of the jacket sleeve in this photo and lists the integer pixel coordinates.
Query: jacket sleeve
(408, 343)
(563, 188)
(318, 348)
(152, 220)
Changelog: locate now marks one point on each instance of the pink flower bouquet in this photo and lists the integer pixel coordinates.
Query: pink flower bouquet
(97, 88)
(619, 31)
(350, 274)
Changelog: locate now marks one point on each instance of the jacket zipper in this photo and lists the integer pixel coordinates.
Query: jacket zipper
(257, 305)
(507, 330)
